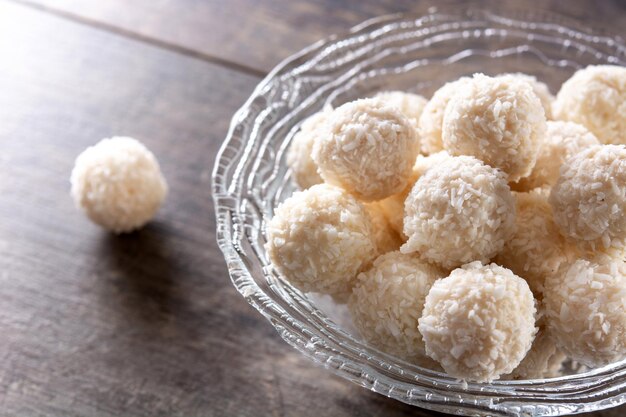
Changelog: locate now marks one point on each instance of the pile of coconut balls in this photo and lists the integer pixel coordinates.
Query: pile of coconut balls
(481, 232)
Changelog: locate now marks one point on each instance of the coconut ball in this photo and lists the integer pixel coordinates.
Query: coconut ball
(589, 198)
(499, 121)
(543, 360)
(368, 149)
(411, 105)
(479, 322)
(393, 209)
(586, 310)
(562, 141)
(385, 237)
(319, 239)
(536, 249)
(393, 206)
(431, 120)
(118, 183)
(387, 302)
(540, 89)
(595, 97)
(299, 157)
(460, 210)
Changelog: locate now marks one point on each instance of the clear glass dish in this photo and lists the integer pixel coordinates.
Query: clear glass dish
(411, 53)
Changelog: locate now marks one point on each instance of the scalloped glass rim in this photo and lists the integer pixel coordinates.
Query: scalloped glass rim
(250, 178)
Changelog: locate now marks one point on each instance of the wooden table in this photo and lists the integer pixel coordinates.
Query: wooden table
(148, 324)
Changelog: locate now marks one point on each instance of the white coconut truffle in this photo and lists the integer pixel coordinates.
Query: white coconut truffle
(562, 141)
(536, 249)
(369, 149)
(393, 206)
(586, 310)
(385, 237)
(319, 239)
(431, 120)
(589, 198)
(479, 322)
(118, 184)
(541, 90)
(459, 211)
(595, 97)
(387, 302)
(499, 121)
(543, 360)
(411, 105)
(299, 157)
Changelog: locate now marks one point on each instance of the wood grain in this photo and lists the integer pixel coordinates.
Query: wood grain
(257, 34)
(145, 324)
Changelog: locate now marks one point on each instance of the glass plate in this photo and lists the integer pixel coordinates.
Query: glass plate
(410, 53)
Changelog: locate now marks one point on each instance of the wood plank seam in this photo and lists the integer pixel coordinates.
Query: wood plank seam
(172, 47)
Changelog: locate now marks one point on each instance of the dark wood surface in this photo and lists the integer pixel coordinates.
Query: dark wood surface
(256, 34)
(148, 324)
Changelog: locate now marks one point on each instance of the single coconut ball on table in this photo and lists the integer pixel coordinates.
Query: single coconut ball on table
(595, 97)
(498, 120)
(320, 239)
(393, 206)
(589, 198)
(562, 141)
(299, 158)
(479, 322)
(459, 211)
(536, 249)
(586, 310)
(541, 90)
(367, 148)
(387, 302)
(431, 119)
(411, 105)
(118, 184)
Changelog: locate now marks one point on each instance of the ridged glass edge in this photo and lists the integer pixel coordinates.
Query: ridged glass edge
(338, 363)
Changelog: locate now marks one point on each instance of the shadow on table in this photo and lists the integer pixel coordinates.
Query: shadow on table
(143, 273)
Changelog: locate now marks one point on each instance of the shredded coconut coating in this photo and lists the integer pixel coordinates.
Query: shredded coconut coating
(320, 239)
(595, 97)
(393, 206)
(499, 121)
(479, 322)
(589, 198)
(537, 249)
(299, 157)
(543, 360)
(385, 237)
(411, 105)
(431, 120)
(118, 184)
(459, 211)
(368, 149)
(586, 310)
(387, 302)
(541, 90)
(562, 141)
